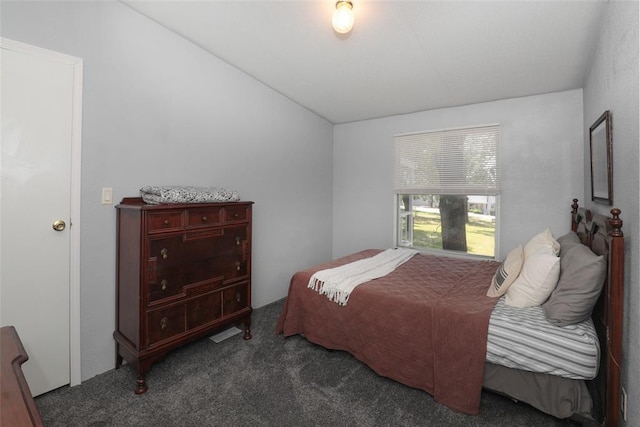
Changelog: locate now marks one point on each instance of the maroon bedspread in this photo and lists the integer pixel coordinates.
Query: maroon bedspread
(424, 325)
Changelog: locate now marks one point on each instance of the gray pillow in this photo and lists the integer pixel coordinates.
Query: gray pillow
(568, 240)
(582, 275)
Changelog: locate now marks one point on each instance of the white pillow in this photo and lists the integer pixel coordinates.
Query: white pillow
(542, 241)
(538, 278)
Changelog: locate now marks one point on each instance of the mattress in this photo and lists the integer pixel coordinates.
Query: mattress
(522, 338)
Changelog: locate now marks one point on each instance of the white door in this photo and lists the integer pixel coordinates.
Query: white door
(39, 102)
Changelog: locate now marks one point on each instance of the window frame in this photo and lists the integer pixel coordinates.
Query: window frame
(495, 191)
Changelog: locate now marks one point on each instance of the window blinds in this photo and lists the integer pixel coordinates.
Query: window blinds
(456, 161)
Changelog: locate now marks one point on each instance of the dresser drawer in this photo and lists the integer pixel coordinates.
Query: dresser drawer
(204, 309)
(235, 298)
(227, 266)
(165, 323)
(204, 217)
(227, 241)
(160, 222)
(236, 213)
(165, 283)
(225, 255)
(166, 252)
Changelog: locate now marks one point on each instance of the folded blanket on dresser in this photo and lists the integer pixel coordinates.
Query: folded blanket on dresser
(155, 195)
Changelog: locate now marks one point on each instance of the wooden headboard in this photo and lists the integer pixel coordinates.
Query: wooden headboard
(604, 236)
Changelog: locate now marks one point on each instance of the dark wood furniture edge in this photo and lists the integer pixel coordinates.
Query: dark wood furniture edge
(615, 319)
(604, 236)
(18, 406)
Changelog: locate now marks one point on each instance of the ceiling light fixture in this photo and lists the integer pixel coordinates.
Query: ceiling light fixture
(343, 17)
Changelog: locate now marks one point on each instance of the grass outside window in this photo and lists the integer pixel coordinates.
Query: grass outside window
(480, 231)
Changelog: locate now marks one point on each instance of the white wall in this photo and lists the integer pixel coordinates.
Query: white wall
(612, 84)
(158, 110)
(541, 160)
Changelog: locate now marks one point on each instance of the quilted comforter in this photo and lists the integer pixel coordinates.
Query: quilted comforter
(424, 325)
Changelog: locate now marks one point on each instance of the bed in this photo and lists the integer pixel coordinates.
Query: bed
(430, 322)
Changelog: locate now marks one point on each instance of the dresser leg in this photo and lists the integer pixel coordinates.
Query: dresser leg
(247, 328)
(141, 384)
(118, 357)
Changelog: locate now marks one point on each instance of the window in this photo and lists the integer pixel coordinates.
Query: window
(447, 186)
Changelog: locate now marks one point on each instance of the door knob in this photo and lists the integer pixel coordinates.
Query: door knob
(59, 225)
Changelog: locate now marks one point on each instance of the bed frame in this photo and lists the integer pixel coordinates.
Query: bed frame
(604, 236)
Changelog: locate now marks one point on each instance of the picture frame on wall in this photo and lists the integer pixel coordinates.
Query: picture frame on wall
(600, 143)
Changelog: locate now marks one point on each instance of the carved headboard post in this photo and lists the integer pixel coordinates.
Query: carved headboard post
(615, 317)
(574, 215)
(616, 223)
(603, 235)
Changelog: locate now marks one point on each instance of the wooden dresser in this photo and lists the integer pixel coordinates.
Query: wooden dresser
(183, 272)
(17, 407)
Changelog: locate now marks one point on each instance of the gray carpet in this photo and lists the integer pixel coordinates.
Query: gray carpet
(267, 381)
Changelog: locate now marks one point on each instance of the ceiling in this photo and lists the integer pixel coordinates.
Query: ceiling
(401, 57)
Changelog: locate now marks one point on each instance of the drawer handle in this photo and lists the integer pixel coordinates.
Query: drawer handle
(236, 215)
(163, 323)
(237, 265)
(204, 219)
(237, 241)
(165, 222)
(238, 297)
(163, 284)
(165, 253)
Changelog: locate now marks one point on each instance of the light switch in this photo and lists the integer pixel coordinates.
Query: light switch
(107, 195)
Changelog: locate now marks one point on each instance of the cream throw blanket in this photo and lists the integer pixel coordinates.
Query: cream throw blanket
(338, 283)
